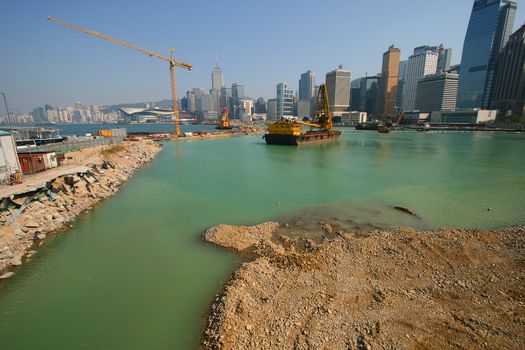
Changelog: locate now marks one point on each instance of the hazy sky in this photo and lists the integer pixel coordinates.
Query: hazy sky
(259, 43)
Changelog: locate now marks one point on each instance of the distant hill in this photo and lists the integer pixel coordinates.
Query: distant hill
(164, 104)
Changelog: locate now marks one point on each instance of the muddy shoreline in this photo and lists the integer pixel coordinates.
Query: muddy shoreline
(397, 289)
(53, 207)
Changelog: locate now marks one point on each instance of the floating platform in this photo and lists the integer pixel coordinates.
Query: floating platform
(309, 137)
(367, 126)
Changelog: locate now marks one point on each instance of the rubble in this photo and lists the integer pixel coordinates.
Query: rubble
(400, 289)
(28, 219)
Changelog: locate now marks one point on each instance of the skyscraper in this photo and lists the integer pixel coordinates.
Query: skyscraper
(445, 55)
(216, 78)
(368, 91)
(306, 94)
(401, 83)
(284, 100)
(260, 105)
(237, 91)
(272, 109)
(387, 93)
(508, 91)
(237, 96)
(355, 94)
(422, 63)
(489, 28)
(306, 86)
(338, 89)
(437, 92)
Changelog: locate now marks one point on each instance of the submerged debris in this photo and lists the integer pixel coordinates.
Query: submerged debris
(406, 211)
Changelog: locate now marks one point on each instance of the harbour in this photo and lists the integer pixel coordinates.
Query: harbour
(134, 273)
(334, 191)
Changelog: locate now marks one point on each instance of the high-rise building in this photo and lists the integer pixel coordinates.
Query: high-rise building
(304, 108)
(214, 100)
(338, 90)
(237, 96)
(306, 86)
(368, 99)
(237, 91)
(306, 94)
(387, 94)
(272, 109)
(355, 94)
(284, 100)
(216, 78)
(225, 98)
(425, 48)
(508, 91)
(489, 28)
(190, 101)
(39, 115)
(401, 83)
(247, 107)
(445, 55)
(260, 105)
(437, 92)
(422, 63)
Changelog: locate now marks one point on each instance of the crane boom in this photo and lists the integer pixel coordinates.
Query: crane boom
(170, 59)
(120, 42)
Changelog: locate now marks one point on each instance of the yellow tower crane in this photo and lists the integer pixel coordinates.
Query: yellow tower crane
(170, 59)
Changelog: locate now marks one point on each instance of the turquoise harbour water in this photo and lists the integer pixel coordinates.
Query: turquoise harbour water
(133, 272)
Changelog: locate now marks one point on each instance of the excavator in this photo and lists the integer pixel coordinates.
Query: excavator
(384, 129)
(288, 131)
(389, 122)
(224, 123)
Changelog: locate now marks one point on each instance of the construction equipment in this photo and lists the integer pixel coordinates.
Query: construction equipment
(170, 59)
(390, 124)
(288, 131)
(401, 115)
(224, 123)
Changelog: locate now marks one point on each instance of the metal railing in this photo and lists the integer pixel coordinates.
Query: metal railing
(73, 145)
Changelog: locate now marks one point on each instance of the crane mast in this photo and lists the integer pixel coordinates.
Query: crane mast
(170, 60)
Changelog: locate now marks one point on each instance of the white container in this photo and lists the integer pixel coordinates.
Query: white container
(50, 160)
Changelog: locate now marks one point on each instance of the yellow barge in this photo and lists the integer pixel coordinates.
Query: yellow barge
(288, 131)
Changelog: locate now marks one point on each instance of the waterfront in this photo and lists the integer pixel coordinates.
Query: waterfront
(82, 129)
(133, 272)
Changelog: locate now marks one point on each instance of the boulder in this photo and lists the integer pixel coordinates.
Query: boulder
(19, 234)
(32, 224)
(71, 180)
(16, 262)
(6, 254)
(7, 275)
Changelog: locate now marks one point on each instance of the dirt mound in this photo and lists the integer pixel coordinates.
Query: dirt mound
(402, 289)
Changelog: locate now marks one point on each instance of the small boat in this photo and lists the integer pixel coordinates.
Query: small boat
(383, 129)
(367, 126)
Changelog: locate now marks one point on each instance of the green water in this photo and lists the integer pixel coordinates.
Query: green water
(134, 274)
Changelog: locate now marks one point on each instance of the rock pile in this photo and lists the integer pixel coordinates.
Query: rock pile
(448, 289)
(65, 197)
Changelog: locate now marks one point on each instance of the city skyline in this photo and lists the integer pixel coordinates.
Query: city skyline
(112, 75)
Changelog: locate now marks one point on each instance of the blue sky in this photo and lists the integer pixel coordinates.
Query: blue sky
(259, 43)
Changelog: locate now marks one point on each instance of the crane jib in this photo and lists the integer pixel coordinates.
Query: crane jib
(172, 62)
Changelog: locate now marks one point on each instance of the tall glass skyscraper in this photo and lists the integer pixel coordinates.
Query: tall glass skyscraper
(306, 86)
(489, 28)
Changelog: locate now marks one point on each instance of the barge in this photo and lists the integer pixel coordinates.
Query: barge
(288, 131)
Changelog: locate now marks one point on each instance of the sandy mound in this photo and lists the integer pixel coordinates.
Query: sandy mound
(460, 289)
